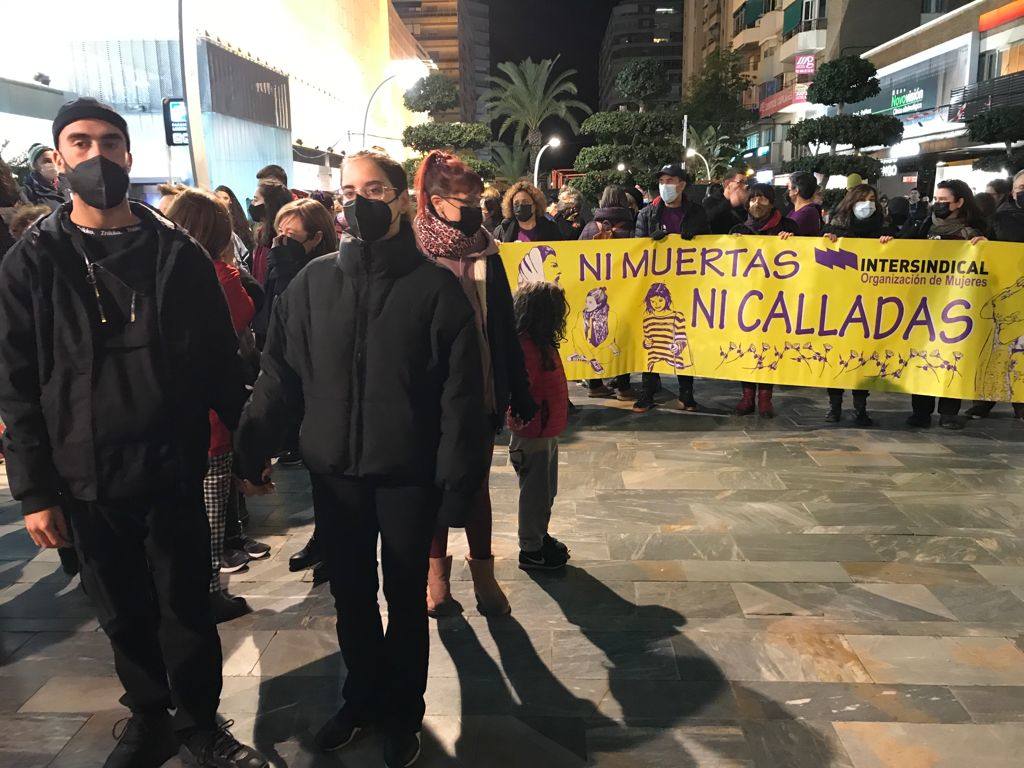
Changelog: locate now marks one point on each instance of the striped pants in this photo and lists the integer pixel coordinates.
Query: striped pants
(217, 496)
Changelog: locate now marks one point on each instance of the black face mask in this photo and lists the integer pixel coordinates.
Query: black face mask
(257, 211)
(523, 211)
(470, 222)
(1020, 199)
(99, 182)
(290, 247)
(941, 210)
(368, 220)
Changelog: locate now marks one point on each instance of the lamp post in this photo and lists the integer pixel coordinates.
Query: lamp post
(694, 153)
(621, 167)
(407, 72)
(554, 142)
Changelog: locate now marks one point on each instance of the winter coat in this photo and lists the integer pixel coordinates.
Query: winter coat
(921, 230)
(695, 220)
(374, 351)
(549, 389)
(1008, 223)
(49, 329)
(282, 267)
(723, 216)
(546, 231)
(775, 224)
(241, 309)
(872, 227)
(620, 221)
(39, 191)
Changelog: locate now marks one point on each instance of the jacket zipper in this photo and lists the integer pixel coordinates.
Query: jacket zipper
(362, 317)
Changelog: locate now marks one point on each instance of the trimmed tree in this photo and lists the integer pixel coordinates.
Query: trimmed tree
(641, 80)
(843, 81)
(432, 94)
(714, 96)
(1000, 125)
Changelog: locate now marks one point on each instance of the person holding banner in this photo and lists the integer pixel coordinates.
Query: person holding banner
(670, 214)
(858, 215)
(954, 216)
(449, 232)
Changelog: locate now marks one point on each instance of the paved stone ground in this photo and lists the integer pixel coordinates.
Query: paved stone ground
(742, 593)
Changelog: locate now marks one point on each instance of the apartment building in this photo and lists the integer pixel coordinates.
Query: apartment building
(642, 30)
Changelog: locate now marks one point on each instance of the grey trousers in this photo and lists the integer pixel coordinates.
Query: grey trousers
(536, 463)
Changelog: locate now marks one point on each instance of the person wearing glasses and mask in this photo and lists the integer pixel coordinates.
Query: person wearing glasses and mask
(373, 352)
(448, 230)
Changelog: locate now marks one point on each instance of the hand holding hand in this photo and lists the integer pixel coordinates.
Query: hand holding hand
(48, 528)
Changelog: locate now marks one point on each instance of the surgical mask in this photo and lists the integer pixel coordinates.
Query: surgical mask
(472, 218)
(99, 182)
(669, 192)
(523, 211)
(368, 220)
(865, 209)
(48, 171)
(257, 211)
(941, 210)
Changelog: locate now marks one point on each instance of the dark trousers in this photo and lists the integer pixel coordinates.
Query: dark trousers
(146, 567)
(535, 460)
(619, 382)
(924, 405)
(860, 398)
(652, 383)
(387, 672)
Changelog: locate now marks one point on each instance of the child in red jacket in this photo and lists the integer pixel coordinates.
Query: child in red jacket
(540, 310)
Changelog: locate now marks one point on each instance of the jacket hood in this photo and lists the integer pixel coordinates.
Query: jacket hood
(395, 257)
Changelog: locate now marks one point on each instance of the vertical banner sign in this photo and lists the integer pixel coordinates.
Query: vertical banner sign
(928, 317)
(175, 123)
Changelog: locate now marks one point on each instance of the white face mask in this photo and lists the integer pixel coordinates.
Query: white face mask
(865, 209)
(669, 192)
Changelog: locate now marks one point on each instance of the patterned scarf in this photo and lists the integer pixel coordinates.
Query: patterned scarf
(440, 240)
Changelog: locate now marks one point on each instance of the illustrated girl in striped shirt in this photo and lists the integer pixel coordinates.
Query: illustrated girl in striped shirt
(665, 331)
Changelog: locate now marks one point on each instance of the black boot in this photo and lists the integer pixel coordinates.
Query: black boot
(146, 741)
(219, 749)
(307, 557)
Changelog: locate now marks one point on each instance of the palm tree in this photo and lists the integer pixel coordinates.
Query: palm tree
(512, 162)
(528, 93)
(718, 149)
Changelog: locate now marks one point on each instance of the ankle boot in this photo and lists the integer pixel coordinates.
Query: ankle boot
(490, 600)
(764, 402)
(745, 406)
(439, 591)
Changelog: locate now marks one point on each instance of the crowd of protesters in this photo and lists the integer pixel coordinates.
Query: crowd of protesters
(155, 363)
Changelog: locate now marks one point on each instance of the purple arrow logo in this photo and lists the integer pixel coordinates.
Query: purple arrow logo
(835, 258)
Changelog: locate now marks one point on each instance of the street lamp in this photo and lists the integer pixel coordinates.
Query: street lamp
(555, 143)
(691, 152)
(407, 72)
(621, 167)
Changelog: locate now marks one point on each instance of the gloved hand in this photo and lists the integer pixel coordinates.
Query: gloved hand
(659, 234)
(455, 509)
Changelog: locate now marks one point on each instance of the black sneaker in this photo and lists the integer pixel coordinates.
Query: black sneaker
(256, 550)
(227, 607)
(219, 749)
(401, 749)
(950, 422)
(338, 732)
(289, 459)
(232, 560)
(551, 541)
(643, 405)
(861, 419)
(924, 421)
(547, 558)
(143, 742)
(978, 411)
(834, 415)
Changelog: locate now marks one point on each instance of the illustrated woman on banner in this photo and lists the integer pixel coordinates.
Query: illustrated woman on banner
(539, 265)
(665, 331)
(594, 332)
(1002, 360)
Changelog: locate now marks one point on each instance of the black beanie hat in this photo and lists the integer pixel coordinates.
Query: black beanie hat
(87, 108)
(763, 190)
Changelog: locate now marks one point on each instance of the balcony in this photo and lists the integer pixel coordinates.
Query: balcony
(787, 100)
(807, 37)
(972, 100)
(749, 36)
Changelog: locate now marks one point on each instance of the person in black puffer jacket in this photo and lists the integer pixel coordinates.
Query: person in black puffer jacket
(375, 351)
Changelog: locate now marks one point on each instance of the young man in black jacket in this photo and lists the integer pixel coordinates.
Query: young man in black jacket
(670, 214)
(374, 353)
(115, 342)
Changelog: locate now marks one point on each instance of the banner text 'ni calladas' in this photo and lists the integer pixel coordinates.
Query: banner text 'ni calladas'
(920, 316)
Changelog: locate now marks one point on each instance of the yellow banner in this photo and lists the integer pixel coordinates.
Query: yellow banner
(928, 317)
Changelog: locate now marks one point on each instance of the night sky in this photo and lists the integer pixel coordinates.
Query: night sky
(543, 29)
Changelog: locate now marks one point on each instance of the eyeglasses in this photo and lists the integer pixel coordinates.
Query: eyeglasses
(374, 190)
(470, 201)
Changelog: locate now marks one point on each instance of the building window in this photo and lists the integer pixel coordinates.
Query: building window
(646, 23)
(814, 9)
(988, 65)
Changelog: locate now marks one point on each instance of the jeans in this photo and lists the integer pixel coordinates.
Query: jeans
(387, 672)
(146, 567)
(860, 398)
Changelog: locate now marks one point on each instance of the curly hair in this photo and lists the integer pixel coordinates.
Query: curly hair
(541, 310)
(540, 204)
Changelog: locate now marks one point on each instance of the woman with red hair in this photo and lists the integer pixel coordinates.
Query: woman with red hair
(449, 232)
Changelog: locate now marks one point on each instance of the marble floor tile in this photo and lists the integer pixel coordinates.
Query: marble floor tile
(795, 744)
(939, 660)
(33, 741)
(691, 599)
(818, 547)
(905, 745)
(871, 602)
(982, 603)
(709, 570)
(708, 746)
(992, 704)
(914, 573)
(1002, 575)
